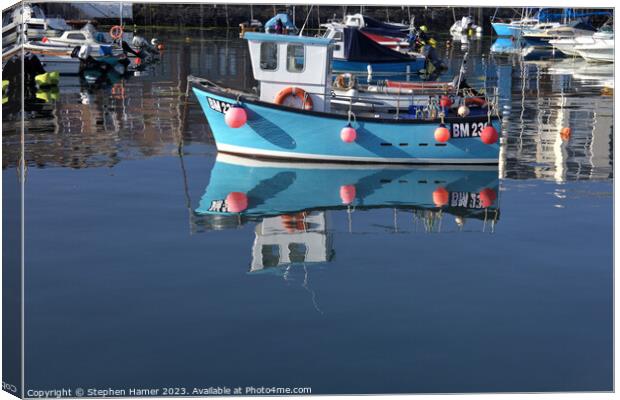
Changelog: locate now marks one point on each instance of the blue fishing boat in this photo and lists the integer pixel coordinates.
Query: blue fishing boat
(256, 189)
(292, 116)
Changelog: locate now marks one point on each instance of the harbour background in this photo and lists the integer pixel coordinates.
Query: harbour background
(147, 15)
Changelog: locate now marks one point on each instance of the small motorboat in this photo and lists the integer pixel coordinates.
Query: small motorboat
(37, 25)
(292, 115)
(600, 50)
(513, 27)
(542, 34)
(465, 26)
(567, 43)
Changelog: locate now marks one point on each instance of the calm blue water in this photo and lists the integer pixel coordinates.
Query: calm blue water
(128, 284)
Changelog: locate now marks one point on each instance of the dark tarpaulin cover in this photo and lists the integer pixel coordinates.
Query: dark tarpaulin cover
(382, 28)
(375, 23)
(359, 47)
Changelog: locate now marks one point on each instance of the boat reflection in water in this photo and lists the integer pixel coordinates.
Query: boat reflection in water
(290, 202)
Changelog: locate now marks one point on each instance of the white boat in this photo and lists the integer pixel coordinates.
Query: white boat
(601, 50)
(465, 26)
(36, 24)
(567, 44)
(542, 34)
(70, 39)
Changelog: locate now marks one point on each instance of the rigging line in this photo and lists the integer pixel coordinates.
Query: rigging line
(313, 294)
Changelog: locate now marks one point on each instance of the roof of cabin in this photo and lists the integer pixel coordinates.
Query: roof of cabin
(272, 37)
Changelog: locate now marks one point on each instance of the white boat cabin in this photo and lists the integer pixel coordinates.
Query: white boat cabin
(283, 61)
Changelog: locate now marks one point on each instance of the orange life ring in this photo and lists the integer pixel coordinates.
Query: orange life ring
(301, 94)
(116, 32)
(478, 101)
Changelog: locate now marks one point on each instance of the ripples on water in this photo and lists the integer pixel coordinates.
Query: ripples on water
(512, 297)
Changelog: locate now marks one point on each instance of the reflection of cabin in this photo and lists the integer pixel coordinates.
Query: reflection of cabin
(287, 239)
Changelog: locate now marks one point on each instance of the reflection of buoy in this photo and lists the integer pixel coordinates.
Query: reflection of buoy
(445, 101)
(236, 202)
(442, 134)
(235, 117)
(138, 61)
(565, 134)
(347, 194)
(440, 196)
(487, 197)
(489, 135)
(463, 111)
(348, 134)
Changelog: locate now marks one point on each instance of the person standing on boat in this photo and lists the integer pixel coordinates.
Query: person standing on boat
(279, 27)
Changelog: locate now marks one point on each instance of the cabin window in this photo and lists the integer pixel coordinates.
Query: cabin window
(76, 36)
(269, 56)
(295, 58)
(338, 36)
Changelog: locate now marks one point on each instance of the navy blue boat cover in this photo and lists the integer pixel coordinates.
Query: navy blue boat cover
(359, 47)
(382, 28)
(375, 23)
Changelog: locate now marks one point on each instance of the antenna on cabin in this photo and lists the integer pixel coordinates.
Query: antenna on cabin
(306, 21)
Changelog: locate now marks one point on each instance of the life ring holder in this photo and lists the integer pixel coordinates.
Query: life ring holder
(477, 101)
(340, 80)
(116, 32)
(301, 94)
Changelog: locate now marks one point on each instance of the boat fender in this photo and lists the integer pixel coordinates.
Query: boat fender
(489, 135)
(235, 117)
(348, 134)
(297, 92)
(442, 134)
(116, 32)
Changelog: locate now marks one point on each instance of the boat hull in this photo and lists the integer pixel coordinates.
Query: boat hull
(506, 29)
(283, 132)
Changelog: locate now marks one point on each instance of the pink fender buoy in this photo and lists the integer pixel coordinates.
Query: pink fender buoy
(442, 134)
(489, 135)
(236, 202)
(487, 197)
(347, 194)
(445, 101)
(440, 196)
(348, 134)
(235, 117)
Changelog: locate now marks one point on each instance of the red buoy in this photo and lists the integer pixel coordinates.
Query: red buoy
(441, 196)
(489, 135)
(348, 134)
(445, 101)
(235, 117)
(236, 202)
(487, 197)
(347, 194)
(442, 134)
